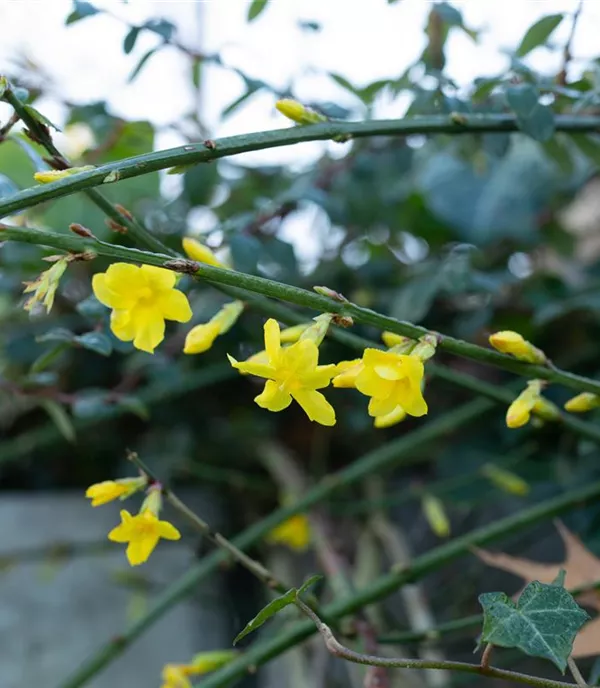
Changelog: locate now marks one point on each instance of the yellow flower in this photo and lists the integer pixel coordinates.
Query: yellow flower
(49, 176)
(586, 401)
(176, 676)
(513, 343)
(142, 532)
(292, 372)
(198, 251)
(142, 298)
(109, 490)
(299, 113)
(200, 338)
(391, 380)
(295, 533)
(45, 286)
(391, 339)
(530, 401)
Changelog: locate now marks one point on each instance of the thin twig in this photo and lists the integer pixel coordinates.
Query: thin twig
(574, 669)
(567, 55)
(339, 650)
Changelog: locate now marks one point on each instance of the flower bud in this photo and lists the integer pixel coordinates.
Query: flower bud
(317, 332)
(201, 253)
(48, 176)
(425, 348)
(299, 113)
(200, 338)
(153, 501)
(391, 339)
(586, 401)
(436, 516)
(505, 480)
(45, 286)
(513, 343)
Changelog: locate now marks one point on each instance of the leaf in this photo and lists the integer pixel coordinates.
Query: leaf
(198, 183)
(42, 119)
(47, 358)
(414, 300)
(57, 334)
(130, 39)
(95, 341)
(542, 623)
(589, 146)
(308, 583)
(134, 405)
(560, 153)
(256, 8)
(533, 118)
(538, 33)
(60, 418)
(245, 252)
(81, 10)
(162, 27)
(267, 612)
(581, 568)
(140, 65)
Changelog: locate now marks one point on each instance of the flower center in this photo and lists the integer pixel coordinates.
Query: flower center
(145, 294)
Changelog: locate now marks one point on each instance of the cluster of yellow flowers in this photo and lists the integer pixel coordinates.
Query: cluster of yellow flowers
(143, 531)
(177, 675)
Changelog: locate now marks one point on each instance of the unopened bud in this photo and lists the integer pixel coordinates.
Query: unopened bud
(299, 113)
(115, 226)
(81, 231)
(126, 213)
(505, 480)
(317, 332)
(426, 346)
(330, 294)
(586, 401)
(513, 343)
(436, 516)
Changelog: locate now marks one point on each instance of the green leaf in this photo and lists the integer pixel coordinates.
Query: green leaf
(245, 252)
(589, 146)
(47, 358)
(95, 341)
(533, 119)
(140, 65)
(130, 39)
(81, 10)
(134, 405)
(256, 9)
(308, 583)
(60, 418)
(542, 623)
(57, 334)
(538, 33)
(199, 182)
(42, 119)
(162, 27)
(267, 612)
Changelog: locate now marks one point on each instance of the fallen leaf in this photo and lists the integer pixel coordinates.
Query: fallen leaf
(581, 567)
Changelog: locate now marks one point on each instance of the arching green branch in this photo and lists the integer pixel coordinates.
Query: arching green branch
(194, 153)
(300, 297)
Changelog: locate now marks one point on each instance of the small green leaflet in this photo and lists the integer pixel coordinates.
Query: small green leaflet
(542, 623)
(533, 118)
(275, 606)
(538, 33)
(256, 9)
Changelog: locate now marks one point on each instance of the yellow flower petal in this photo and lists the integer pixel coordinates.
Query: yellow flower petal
(122, 532)
(295, 533)
(389, 419)
(174, 305)
(272, 343)
(200, 338)
(168, 531)
(139, 549)
(381, 407)
(122, 325)
(273, 398)
(316, 406)
(198, 251)
(158, 279)
(149, 329)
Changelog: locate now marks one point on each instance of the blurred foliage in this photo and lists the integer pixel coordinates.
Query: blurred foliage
(464, 234)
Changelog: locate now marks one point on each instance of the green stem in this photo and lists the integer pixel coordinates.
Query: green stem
(234, 145)
(300, 297)
(138, 232)
(483, 669)
(383, 586)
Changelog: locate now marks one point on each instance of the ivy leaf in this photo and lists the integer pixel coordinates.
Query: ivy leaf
(542, 623)
(533, 118)
(267, 612)
(256, 9)
(538, 33)
(95, 341)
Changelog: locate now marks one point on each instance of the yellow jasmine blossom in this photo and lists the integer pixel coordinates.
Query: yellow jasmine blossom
(391, 339)
(391, 418)
(142, 533)
(142, 298)
(292, 372)
(109, 490)
(200, 252)
(392, 380)
(509, 342)
(586, 401)
(176, 675)
(436, 516)
(54, 175)
(299, 113)
(200, 338)
(295, 533)
(45, 286)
